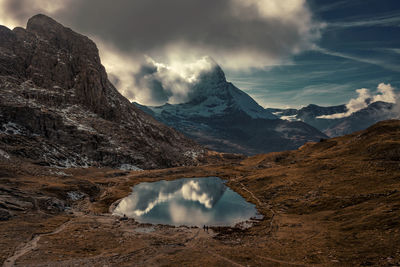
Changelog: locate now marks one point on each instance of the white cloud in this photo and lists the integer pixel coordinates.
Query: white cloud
(380, 63)
(291, 11)
(120, 68)
(157, 83)
(385, 93)
(149, 82)
(391, 19)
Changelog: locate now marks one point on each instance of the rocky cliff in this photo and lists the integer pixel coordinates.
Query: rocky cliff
(58, 108)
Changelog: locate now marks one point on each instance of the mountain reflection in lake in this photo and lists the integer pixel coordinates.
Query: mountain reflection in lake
(189, 201)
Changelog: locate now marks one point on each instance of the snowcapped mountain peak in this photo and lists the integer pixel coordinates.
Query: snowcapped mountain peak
(224, 118)
(212, 95)
(215, 75)
(209, 82)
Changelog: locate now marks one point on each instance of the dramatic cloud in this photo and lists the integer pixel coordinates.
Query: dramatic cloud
(385, 93)
(157, 83)
(237, 34)
(16, 12)
(149, 82)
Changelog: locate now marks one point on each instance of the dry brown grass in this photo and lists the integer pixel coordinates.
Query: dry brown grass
(335, 202)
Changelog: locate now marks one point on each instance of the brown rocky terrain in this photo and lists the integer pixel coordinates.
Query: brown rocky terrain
(58, 108)
(330, 203)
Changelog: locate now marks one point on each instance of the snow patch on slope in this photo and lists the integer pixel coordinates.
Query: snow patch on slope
(129, 167)
(4, 154)
(289, 118)
(193, 154)
(247, 104)
(12, 129)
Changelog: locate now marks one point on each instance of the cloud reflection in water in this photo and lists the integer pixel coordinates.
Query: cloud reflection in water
(189, 201)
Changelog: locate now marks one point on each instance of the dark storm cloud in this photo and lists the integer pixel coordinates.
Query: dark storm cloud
(147, 78)
(270, 28)
(17, 12)
(18, 9)
(238, 34)
(219, 28)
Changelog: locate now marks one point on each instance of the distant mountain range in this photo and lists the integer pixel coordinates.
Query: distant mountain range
(357, 121)
(57, 108)
(224, 118)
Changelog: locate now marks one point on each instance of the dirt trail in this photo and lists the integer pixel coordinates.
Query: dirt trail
(274, 215)
(201, 234)
(226, 259)
(251, 193)
(31, 245)
(287, 262)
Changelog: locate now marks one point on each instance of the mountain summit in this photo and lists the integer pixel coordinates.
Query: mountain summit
(58, 108)
(212, 95)
(226, 119)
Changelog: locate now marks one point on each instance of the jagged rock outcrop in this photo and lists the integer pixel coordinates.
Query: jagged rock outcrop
(57, 106)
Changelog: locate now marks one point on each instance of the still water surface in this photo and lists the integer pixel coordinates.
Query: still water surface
(189, 201)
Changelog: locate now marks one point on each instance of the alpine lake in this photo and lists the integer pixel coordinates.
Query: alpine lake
(188, 201)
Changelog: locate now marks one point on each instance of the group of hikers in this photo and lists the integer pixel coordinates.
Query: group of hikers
(124, 218)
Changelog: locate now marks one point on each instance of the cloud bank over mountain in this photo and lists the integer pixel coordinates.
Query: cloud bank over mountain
(384, 93)
(237, 34)
(159, 83)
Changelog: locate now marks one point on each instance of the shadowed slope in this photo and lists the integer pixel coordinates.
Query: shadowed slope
(58, 108)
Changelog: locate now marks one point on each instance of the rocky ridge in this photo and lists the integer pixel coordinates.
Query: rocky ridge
(58, 108)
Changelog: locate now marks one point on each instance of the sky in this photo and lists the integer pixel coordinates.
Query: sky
(358, 48)
(284, 53)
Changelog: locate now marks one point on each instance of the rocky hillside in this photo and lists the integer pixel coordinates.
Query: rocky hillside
(329, 203)
(226, 119)
(58, 108)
